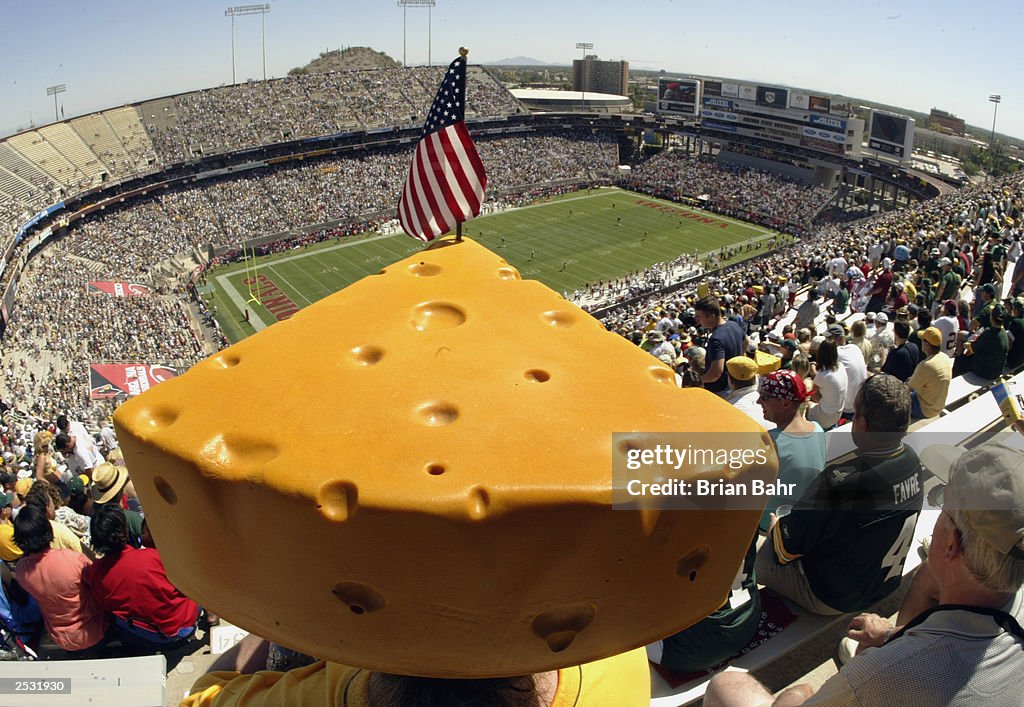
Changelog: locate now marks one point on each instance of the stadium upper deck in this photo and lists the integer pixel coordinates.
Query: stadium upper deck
(41, 166)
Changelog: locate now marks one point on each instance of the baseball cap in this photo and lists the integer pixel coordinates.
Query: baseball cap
(6, 499)
(945, 261)
(887, 263)
(882, 318)
(75, 486)
(869, 316)
(986, 484)
(783, 385)
(655, 336)
(790, 344)
(742, 368)
(932, 335)
(836, 330)
(989, 288)
(21, 486)
(936, 251)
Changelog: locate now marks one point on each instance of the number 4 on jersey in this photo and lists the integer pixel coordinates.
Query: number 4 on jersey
(894, 558)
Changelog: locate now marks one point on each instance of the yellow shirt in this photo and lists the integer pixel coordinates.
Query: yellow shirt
(64, 538)
(8, 550)
(623, 680)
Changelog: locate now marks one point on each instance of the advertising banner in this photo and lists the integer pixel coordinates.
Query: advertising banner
(110, 380)
(118, 289)
(771, 97)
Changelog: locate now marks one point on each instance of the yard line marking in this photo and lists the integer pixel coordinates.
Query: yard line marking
(287, 282)
(255, 320)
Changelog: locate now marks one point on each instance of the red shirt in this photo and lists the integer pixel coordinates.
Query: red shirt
(882, 284)
(133, 584)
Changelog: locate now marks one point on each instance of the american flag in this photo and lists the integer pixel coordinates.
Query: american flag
(446, 179)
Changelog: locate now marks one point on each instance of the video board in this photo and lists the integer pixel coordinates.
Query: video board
(678, 96)
(891, 134)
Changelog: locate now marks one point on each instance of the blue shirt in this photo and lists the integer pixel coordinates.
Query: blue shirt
(801, 459)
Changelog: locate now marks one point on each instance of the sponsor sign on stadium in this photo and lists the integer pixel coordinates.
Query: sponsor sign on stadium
(771, 97)
(827, 121)
(748, 93)
(715, 125)
(817, 143)
(730, 90)
(719, 103)
(824, 135)
(720, 115)
(819, 104)
(118, 289)
(110, 380)
(798, 100)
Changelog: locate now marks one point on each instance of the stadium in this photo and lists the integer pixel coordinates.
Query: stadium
(143, 239)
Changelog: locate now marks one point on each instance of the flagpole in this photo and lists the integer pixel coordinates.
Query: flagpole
(447, 179)
(463, 52)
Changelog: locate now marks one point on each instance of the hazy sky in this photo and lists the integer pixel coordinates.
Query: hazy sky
(917, 54)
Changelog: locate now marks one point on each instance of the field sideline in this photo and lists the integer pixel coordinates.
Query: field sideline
(565, 243)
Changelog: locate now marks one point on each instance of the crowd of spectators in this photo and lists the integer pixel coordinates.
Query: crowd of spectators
(256, 113)
(913, 283)
(272, 200)
(743, 192)
(59, 328)
(77, 561)
(893, 275)
(310, 105)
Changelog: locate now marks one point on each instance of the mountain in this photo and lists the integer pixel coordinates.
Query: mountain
(346, 60)
(517, 61)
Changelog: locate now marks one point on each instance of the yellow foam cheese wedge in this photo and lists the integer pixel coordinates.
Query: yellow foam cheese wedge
(414, 475)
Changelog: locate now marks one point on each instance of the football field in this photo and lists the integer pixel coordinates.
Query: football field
(565, 243)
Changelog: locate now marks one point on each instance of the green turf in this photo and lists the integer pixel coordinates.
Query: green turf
(565, 243)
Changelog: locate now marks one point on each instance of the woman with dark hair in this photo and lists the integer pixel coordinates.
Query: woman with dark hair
(54, 578)
(149, 612)
(830, 384)
(41, 495)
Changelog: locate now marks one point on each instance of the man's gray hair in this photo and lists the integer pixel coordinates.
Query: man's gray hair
(994, 570)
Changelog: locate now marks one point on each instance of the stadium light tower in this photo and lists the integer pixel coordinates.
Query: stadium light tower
(62, 87)
(995, 98)
(405, 5)
(585, 46)
(239, 11)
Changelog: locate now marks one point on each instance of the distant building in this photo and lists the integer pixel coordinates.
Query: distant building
(591, 74)
(939, 119)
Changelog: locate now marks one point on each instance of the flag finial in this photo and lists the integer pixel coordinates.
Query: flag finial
(463, 51)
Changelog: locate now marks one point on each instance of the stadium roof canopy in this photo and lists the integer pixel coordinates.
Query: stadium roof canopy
(546, 99)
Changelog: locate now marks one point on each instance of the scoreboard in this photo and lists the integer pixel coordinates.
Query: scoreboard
(891, 134)
(678, 96)
(775, 114)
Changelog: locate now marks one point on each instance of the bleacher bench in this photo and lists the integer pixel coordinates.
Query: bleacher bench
(806, 627)
(110, 682)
